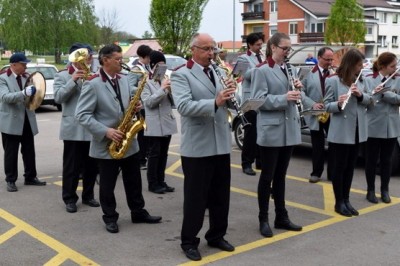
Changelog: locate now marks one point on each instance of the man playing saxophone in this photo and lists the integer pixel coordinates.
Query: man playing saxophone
(104, 99)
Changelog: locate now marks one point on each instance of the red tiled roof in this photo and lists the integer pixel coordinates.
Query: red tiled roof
(132, 50)
(229, 44)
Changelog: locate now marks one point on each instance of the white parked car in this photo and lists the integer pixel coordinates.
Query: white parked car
(173, 62)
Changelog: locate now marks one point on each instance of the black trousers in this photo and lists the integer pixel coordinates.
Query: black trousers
(275, 161)
(345, 158)
(157, 159)
(318, 151)
(109, 170)
(143, 143)
(381, 149)
(11, 147)
(76, 160)
(250, 151)
(206, 185)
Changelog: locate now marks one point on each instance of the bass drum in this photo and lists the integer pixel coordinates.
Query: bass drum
(37, 80)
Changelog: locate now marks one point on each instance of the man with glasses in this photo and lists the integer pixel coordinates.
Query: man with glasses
(104, 99)
(205, 146)
(314, 89)
(18, 124)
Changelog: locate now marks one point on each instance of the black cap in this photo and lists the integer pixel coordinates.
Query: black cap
(77, 46)
(19, 58)
(156, 57)
(90, 48)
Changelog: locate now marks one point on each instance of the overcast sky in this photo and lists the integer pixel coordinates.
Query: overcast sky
(217, 17)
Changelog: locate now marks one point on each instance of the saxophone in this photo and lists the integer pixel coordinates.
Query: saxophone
(131, 123)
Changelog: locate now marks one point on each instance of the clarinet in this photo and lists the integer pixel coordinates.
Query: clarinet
(233, 100)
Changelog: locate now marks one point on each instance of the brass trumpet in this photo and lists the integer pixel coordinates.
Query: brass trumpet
(79, 57)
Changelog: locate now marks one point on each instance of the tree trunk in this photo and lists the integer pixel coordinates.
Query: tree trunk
(57, 56)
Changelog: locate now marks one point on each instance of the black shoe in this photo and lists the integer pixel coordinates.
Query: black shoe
(192, 254)
(157, 189)
(371, 197)
(34, 182)
(11, 187)
(342, 210)
(385, 197)
(91, 203)
(249, 171)
(167, 188)
(285, 223)
(222, 244)
(351, 208)
(145, 217)
(265, 229)
(71, 207)
(112, 227)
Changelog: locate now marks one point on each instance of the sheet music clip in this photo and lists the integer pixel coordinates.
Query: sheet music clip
(240, 69)
(251, 104)
(159, 72)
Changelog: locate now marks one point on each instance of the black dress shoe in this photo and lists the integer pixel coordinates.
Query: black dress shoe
(71, 207)
(351, 208)
(157, 189)
(371, 197)
(287, 224)
(249, 171)
(91, 203)
(265, 229)
(385, 197)
(112, 227)
(222, 244)
(145, 217)
(34, 182)
(192, 254)
(167, 188)
(11, 187)
(342, 210)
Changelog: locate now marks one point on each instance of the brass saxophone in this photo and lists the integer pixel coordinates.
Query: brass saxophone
(132, 122)
(323, 117)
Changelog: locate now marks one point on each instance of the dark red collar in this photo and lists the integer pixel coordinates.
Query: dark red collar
(104, 75)
(270, 62)
(71, 69)
(9, 73)
(190, 64)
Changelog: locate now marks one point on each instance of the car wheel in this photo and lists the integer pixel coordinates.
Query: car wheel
(59, 107)
(239, 134)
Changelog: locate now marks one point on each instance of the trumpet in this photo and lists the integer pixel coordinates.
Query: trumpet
(79, 57)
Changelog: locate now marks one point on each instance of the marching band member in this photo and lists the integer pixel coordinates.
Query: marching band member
(205, 147)
(76, 159)
(347, 103)
(314, 89)
(383, 124)
(278, 130)
(104, 99)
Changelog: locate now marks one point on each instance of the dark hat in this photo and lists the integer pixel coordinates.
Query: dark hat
(90, 48)
(19, 58)
(155, 57)
(77, 46)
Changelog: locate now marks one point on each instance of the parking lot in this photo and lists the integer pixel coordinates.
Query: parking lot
(35, 229)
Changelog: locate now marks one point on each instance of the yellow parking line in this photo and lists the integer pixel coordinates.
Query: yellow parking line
(10, 233)
(52, 243)
(56, 260)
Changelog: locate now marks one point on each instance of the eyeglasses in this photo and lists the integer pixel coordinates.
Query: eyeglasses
(119, 59)
(327, 59)
(205, 49)
(286, 49)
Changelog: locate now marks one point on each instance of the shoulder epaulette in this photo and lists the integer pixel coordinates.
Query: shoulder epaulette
(332, 75)
(3, 71)
(261, 64)
(62, 70)
(93, 76)
(178, 67)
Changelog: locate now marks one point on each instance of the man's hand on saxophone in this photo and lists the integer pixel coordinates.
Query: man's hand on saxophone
(114, 135)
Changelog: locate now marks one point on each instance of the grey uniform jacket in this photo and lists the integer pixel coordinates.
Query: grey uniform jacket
(383, 116)
(98, 109)
(342, 128)
(313, 91)
(278, 121)
(66, 93)
(160, 121)
(134, 78)
(253, 62)
(12, 105)
(205, 131)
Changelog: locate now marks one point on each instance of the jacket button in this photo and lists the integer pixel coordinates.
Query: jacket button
(286, 118)
(345, 116)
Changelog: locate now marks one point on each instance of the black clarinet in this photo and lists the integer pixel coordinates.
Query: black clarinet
(233, 100)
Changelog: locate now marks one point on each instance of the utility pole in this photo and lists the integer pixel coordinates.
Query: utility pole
(234, 26)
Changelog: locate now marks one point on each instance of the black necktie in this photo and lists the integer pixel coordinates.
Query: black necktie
(209, 74)
(259, 58)
(384, 79)
(19, 82)
(326, 73)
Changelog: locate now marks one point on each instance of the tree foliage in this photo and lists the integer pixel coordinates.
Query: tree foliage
(345, 25)
(175, 21)
(47, 25)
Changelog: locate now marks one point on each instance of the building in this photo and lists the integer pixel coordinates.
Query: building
(305, 21)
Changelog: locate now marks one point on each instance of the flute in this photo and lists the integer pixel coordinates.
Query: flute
(349, 91)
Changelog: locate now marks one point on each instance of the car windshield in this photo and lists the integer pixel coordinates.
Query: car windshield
(174, 62)
(48, 72)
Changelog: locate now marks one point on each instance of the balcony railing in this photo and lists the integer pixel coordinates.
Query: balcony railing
(253, 15)
(311, 37)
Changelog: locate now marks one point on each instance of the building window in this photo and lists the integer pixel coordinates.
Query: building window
(292, 28)
(274, 6)
(382, 41)
(394, 42)
(258, 29)
(258, 7)
(395, 19)
(369, 30)
(272, 31)
(382, 17)
(317, 27)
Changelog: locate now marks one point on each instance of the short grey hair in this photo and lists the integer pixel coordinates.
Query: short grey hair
(193, 41)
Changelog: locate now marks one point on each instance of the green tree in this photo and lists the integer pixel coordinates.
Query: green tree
(147, 35)
(47, 25)
(175, 21)
(345, 25)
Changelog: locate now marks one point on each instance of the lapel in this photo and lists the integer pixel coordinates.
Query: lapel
(277, 71)
(316, 80)
(198, 74)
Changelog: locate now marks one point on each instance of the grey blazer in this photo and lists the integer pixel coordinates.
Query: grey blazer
(205, 130)
(278, 121)
(134, 78)
(342, 128)
(66, 93)
(160, 121)
(98, 109)
(253, 62)
(12, 105)
(383, 116)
